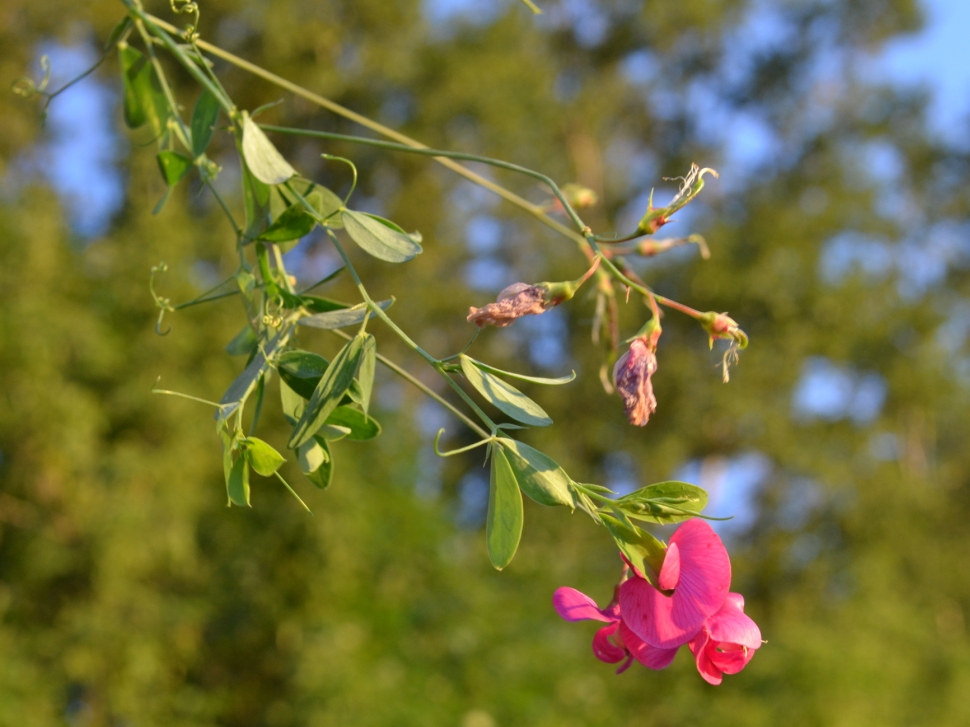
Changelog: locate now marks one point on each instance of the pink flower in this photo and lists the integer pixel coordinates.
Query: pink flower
(694, 582)
(615, 642)
(726, 642)
(631, 377)
(517, 300)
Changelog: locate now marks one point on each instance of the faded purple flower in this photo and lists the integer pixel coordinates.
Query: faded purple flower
(631, 377)
(517, 300)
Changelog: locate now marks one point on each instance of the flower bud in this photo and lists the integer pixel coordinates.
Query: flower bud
(632, 373)
(579, 197)
(691, 186)
(721, 325)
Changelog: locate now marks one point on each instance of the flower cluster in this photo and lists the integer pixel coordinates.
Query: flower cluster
(691, 605)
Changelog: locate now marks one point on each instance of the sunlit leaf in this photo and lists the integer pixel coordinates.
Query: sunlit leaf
(262, 457)
(378, 239)
(644, 551)
(291, 403)
(504, 396)
(365, 375)
(664, 502)
(503, 528)
(316, 461)
(302, 370)
(262, 158)
(238, 485)
(538, 474)
(246, 381)
(256, 199)
(360, 426)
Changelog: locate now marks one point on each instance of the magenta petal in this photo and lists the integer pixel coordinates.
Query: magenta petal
(701, 647)
(705, 577)
(730, 625)
(729, 661)
(575, 606)
(650, 656)
(604, 649)
(670, 572)
(625, 665)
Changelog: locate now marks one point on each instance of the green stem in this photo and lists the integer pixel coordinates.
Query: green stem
(408, 149)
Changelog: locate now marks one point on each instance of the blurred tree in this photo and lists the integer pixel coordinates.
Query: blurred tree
(130, 595)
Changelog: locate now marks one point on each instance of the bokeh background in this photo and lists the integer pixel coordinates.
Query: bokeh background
(839, 235)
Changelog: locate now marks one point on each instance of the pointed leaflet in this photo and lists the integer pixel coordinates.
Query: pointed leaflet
(204, 116)
(238, 483)
(504, 396)
(256, 198)
(262, 457)
(503, 529)
(341, 318)
(333, 385)
(262, 158)
(360, 427)
(173, 166)
(378, 239)
(664, 502)
(144, 101)
(522, 377)
(365, 376)
(538, 474)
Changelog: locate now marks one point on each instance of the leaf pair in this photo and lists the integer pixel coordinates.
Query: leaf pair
(517, 468)
(241, 454)
(506, 397)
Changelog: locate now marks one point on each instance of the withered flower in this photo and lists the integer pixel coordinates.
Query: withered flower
(631, 377)
(517, 300)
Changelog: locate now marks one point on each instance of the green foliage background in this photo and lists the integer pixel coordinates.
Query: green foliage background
(129, 595)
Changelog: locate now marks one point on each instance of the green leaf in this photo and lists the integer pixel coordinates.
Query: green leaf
(644, 551)
(173, 166)
(293, 224)
(242, 343)
(538, 474)
(324, 202)
(246, 381)
(318, 304)
(302, 370)
(292, 403)
(334, 383)
(503, 528)
(333, 432)
(415, 236)
(534, 379)
(316, 462)
(360, 426)
(262, 457)
(379, 240)
(504, 396)
(204, 117)
(341, 318)
(238, 484)
(664, 502)
(365, 376)
(262, 158)
(144, 101)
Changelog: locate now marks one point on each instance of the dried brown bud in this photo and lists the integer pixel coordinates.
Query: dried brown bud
(517, 300)
(631, 377)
